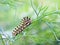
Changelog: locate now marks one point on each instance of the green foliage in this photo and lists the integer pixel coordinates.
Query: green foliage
(44, 29)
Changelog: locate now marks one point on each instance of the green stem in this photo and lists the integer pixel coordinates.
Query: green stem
(2, 40)
(52, 28)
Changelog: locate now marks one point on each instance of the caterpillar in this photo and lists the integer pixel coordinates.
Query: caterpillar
(26, 21)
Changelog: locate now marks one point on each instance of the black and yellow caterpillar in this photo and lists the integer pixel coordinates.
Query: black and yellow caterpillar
(26, 21)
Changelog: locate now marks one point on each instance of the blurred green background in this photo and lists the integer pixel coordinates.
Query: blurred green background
(45, 27)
